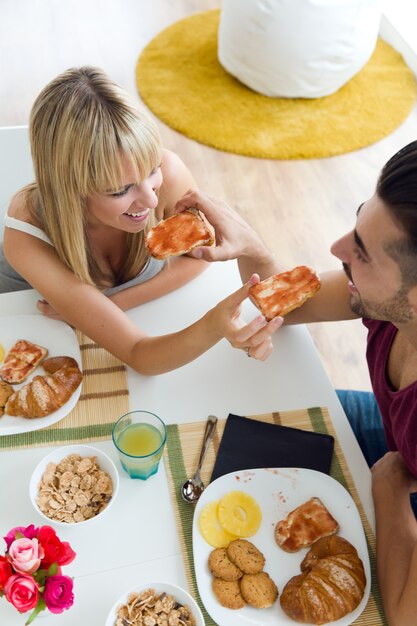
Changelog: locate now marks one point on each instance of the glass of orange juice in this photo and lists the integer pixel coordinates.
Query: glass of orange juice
(139, 437)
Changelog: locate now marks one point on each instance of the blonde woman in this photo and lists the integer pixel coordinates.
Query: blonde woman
(76, 234)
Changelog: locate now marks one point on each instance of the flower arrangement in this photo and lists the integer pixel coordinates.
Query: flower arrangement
(30, 571)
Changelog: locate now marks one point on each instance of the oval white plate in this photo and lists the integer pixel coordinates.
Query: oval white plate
(60, 340)
(277, 491)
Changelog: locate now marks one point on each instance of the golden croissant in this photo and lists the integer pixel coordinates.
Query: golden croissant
(331, 585)
(46, 394)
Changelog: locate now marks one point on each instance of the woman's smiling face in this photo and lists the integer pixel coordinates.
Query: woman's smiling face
(128, 207)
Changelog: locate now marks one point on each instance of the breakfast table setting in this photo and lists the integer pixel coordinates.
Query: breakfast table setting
(273, 431)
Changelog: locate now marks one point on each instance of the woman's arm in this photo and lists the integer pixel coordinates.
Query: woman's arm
(171, 351)
(396, 539)
(85, 308)
(177, 180)
(178, 271)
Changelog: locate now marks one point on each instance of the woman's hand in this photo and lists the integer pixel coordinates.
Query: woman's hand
(45, 308)
(255, 337)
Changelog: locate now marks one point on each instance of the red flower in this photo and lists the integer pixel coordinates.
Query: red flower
(30, 571)
(30, 532)
(58, 593)
(56, 551)
(22, 592)
(5, 571)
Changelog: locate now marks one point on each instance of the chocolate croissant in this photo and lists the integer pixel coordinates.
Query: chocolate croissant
(46, 394)
(331, 585)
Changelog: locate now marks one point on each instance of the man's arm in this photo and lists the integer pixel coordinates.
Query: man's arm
(396, 539)
(330, 304)
(235, 239)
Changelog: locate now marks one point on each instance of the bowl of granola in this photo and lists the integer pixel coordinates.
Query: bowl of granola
(155, 603)
(74, 484)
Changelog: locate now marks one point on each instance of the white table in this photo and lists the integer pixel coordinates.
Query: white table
(136, 540)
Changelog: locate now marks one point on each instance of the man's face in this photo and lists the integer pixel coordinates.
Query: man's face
(376, 287)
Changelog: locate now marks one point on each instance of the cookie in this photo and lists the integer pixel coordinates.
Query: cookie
(222, 567)
(259, 590)
(246, 556)
(228, 593)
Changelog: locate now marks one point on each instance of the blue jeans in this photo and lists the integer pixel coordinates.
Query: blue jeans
(365, 419)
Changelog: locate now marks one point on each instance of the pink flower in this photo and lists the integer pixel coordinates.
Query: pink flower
(30, 532)
(22, 592)
(58, 593)
(55, 550)
(5, 571)
(25, 555)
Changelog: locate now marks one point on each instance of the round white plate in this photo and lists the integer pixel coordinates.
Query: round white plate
(60, 340)
(277, 491)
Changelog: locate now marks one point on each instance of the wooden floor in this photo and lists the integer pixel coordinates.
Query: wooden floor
(298, 207)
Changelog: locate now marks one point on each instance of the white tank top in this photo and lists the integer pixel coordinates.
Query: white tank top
(25, 227)
(152, 266)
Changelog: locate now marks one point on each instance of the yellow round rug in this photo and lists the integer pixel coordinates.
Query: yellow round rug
(181, 81)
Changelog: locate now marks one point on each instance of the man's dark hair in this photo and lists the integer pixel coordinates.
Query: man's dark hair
(397, 188)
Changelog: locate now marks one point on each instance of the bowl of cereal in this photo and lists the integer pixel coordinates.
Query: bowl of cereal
(163, 603)
(74, 484)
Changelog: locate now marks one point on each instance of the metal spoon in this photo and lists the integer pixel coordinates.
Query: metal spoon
(194, 487)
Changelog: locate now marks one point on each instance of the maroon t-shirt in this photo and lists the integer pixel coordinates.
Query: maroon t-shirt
(398, 408)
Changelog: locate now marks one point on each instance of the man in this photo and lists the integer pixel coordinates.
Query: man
(378, 283)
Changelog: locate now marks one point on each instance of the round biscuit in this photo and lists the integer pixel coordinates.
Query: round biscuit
(259, 590)
(246, 556)
(228, 593)
(222, 567)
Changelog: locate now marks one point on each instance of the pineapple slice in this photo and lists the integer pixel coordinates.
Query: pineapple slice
(210, 528)
(239, 514)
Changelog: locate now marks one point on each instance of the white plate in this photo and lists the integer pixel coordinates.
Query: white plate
(179, 594)
(277, 491)
(60, 340)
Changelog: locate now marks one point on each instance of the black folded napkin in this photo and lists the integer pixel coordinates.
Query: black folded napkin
(249, 444)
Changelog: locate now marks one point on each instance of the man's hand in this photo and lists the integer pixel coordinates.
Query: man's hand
(234, 237)
(390, 474)
(396, 538)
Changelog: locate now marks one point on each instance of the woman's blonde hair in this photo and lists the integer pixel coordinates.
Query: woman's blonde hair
(82, 125)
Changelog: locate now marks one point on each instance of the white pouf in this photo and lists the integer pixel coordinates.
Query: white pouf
(297, 48)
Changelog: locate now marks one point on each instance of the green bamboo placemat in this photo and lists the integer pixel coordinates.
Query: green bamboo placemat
(104, 398)
(181, 456)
